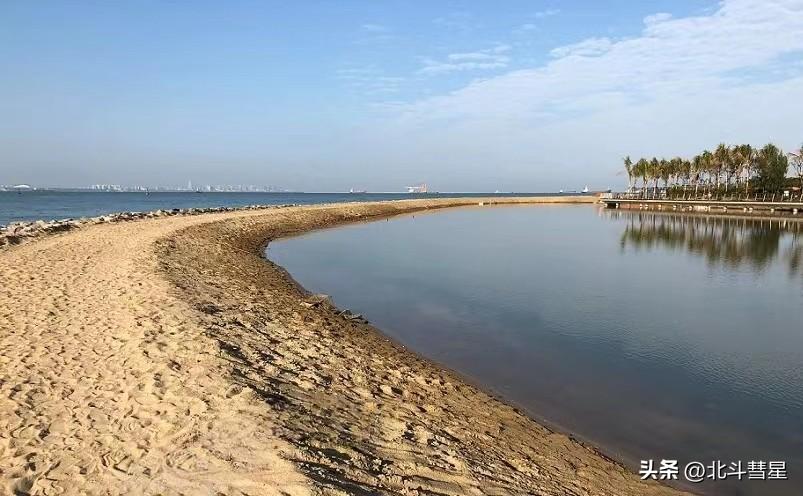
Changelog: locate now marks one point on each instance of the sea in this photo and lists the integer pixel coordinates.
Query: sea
(55, 205)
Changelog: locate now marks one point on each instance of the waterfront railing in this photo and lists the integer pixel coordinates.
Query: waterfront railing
(758, 197)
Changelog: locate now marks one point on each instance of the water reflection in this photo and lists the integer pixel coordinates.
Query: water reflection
(731, 242)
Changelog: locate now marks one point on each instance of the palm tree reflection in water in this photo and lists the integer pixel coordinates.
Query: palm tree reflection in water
(732, 242)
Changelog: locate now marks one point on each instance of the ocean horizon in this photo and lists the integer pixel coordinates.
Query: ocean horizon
(57, 204)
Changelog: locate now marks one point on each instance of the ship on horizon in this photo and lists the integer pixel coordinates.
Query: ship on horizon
(418, 188)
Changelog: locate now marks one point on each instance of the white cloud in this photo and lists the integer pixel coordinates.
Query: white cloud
(470, 56)
(458, 21)
(657, 18)
(586, 48)
(491, 58)
(489, 54)
(546, 13)
(374, 28)
(671, 57)
(681, 84)
(529, 27)
(370, 80)
(373, 33)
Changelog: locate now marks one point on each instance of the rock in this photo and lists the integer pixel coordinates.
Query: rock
(59, 227)
(354, 317)
(211, 309)
(316, 300)
(18, 232)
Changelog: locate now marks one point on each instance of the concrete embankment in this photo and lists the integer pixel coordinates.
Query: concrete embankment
(708, 206)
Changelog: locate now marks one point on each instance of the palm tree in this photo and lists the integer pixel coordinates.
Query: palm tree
(721, 156)
(685, 172)
(674, 171)
(697, 168)
(744, 155)
(732, 167)
(629, 170)
(643, 168)
(707, 164)
(797, 162)
(655, 168)
(663, 172)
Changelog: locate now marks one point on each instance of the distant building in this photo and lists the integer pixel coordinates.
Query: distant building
(106, 187)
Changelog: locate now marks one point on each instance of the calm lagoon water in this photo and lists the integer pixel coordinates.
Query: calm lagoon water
(654, 336)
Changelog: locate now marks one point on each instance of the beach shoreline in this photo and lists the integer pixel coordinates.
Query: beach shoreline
(322, 402)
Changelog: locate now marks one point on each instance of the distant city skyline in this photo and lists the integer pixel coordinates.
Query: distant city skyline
(250, 188)
(328, 96)
(236, 188)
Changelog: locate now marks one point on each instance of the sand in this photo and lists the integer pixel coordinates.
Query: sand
(165, 356)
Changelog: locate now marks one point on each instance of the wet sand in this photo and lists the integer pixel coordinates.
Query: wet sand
(166, 356)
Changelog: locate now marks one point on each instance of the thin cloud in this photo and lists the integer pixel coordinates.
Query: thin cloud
(457, 21)
(546, 13)
(530, 27)
(678, 56)
(375, 28)
(678, 86)
(657, 18)
(488, 59)
(373, 33)
(591, 47)
(369, 80)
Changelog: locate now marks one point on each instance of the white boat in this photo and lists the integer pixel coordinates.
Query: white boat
(585, 190)
(418, 188)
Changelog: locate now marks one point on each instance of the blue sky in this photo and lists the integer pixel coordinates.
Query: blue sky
(467, 96)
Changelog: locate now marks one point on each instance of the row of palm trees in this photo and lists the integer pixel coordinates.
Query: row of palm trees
(732, 172)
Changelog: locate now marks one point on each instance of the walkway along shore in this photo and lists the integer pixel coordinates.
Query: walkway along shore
(788, 208)
(167, 356)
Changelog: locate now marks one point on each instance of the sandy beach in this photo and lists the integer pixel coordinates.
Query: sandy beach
(167, 356)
